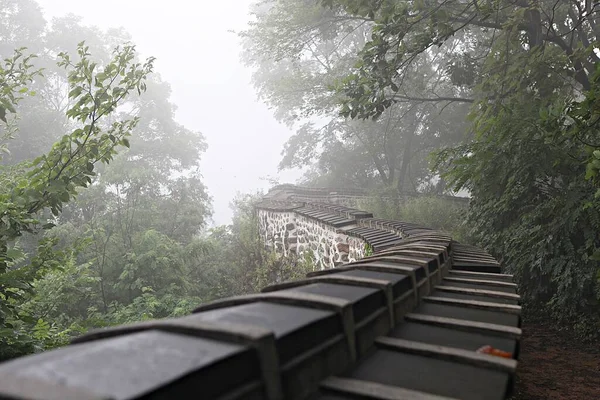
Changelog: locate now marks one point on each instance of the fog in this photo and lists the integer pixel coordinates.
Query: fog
(413, 102)
(199, 56)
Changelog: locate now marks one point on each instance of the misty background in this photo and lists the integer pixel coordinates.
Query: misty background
(198, 54)
(121, 219)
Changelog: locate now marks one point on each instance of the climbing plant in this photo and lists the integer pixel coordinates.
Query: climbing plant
(368, 250)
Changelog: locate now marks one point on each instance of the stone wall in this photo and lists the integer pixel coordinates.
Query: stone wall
(287, 232)
(305, 221)
(198, 352)
(278, 230)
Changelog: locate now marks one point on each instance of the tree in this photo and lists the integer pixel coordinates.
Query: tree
(299, 51)
(241, 258)
(406, 31)
(524, 66)
(150, 197)
(133, 245)
(52, 180)
(15, 74)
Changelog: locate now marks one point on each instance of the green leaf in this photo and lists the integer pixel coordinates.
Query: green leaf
(14, 253)
(75, 92)
(6, 332)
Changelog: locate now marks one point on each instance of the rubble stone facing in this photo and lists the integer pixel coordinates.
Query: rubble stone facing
(287, 232)
(278, 230)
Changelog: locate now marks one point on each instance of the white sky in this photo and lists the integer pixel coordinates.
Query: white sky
(200, 59)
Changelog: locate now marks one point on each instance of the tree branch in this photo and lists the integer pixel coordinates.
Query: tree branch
(480, 23)
(433, 99)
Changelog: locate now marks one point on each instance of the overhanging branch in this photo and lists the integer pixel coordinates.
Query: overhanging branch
(433, 99)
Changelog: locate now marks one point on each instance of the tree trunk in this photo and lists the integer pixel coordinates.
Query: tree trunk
(401, 183)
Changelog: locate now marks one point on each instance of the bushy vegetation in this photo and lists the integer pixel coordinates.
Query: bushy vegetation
(529, 70)
(103, 213)
(435, 212)
(504, 93)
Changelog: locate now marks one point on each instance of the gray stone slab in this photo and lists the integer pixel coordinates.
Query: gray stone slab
(360, 230)
(345, 388)
(472, 314)
(451, 337)
(439, 293)
(419, 271)
(366, 300)
(401, 283)
(383, 239)
(479, 286)
(297, 329)
(281, 319)
(434, 376)
(482, 275)
(432, 260)
(379, 234)
(384, 246)
(138, 364)
(389, 241)
(461, 266)
(343, 223)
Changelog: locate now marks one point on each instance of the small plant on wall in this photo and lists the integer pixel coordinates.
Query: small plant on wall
(368, 250)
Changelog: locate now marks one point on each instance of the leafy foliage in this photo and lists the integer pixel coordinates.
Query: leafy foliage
(133, 245)
(159, 277)
(299, 51)
(441, 213)
(15, 74)
(525, 67)
(52, 180)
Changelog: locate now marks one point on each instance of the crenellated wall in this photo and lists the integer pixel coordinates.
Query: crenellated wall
(421, 305)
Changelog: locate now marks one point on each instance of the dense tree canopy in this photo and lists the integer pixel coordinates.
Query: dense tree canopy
(134, 244)
(525, 66)
(51, 180)
(103, 212)
(299, 50)
(502, 92)
(104, 218)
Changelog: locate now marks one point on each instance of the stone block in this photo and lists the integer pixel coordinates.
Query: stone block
(343, 247)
